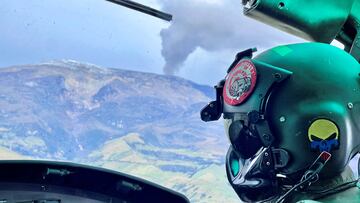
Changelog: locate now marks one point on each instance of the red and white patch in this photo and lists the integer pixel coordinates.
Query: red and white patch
(240, 82)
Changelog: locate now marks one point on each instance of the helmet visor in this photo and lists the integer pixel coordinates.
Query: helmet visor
(245, 140)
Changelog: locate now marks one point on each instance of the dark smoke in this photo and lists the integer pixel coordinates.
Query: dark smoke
(211, 25)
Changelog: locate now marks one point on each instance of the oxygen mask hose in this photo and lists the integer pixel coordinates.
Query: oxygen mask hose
(310, 176)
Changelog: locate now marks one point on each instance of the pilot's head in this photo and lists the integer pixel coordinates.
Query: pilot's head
(297, 120)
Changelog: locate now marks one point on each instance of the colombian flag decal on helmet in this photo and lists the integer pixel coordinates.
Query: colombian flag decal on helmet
(323, 135)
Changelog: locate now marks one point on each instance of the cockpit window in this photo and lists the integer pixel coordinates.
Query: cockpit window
(94, 83)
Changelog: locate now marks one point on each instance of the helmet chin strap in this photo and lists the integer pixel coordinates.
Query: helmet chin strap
(310, 176)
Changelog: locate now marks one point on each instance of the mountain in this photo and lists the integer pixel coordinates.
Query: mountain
(144, 124)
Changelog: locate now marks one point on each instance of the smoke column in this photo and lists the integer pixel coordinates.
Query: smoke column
(212, 25)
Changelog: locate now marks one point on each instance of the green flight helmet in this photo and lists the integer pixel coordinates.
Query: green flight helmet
(292, 115)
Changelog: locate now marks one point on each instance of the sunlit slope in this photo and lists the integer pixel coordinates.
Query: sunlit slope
(139, 123)
(196, 174)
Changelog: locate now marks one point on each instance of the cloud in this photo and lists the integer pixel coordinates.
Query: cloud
(213, 25)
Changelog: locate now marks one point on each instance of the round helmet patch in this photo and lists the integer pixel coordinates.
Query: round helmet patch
(323, 135)
(240, 82)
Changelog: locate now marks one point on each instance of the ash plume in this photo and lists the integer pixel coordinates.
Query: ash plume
(212, 25)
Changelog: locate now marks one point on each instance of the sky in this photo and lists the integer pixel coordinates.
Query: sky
(199, 44)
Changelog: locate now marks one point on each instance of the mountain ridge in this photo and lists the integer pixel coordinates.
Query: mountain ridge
(144, 124)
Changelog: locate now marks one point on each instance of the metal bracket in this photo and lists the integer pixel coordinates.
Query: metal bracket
(214, 109)
(241, 55)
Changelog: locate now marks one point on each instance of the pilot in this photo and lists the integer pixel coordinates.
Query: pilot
(295, 127)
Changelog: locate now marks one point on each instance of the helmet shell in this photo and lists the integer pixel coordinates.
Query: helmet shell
(324, 85)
